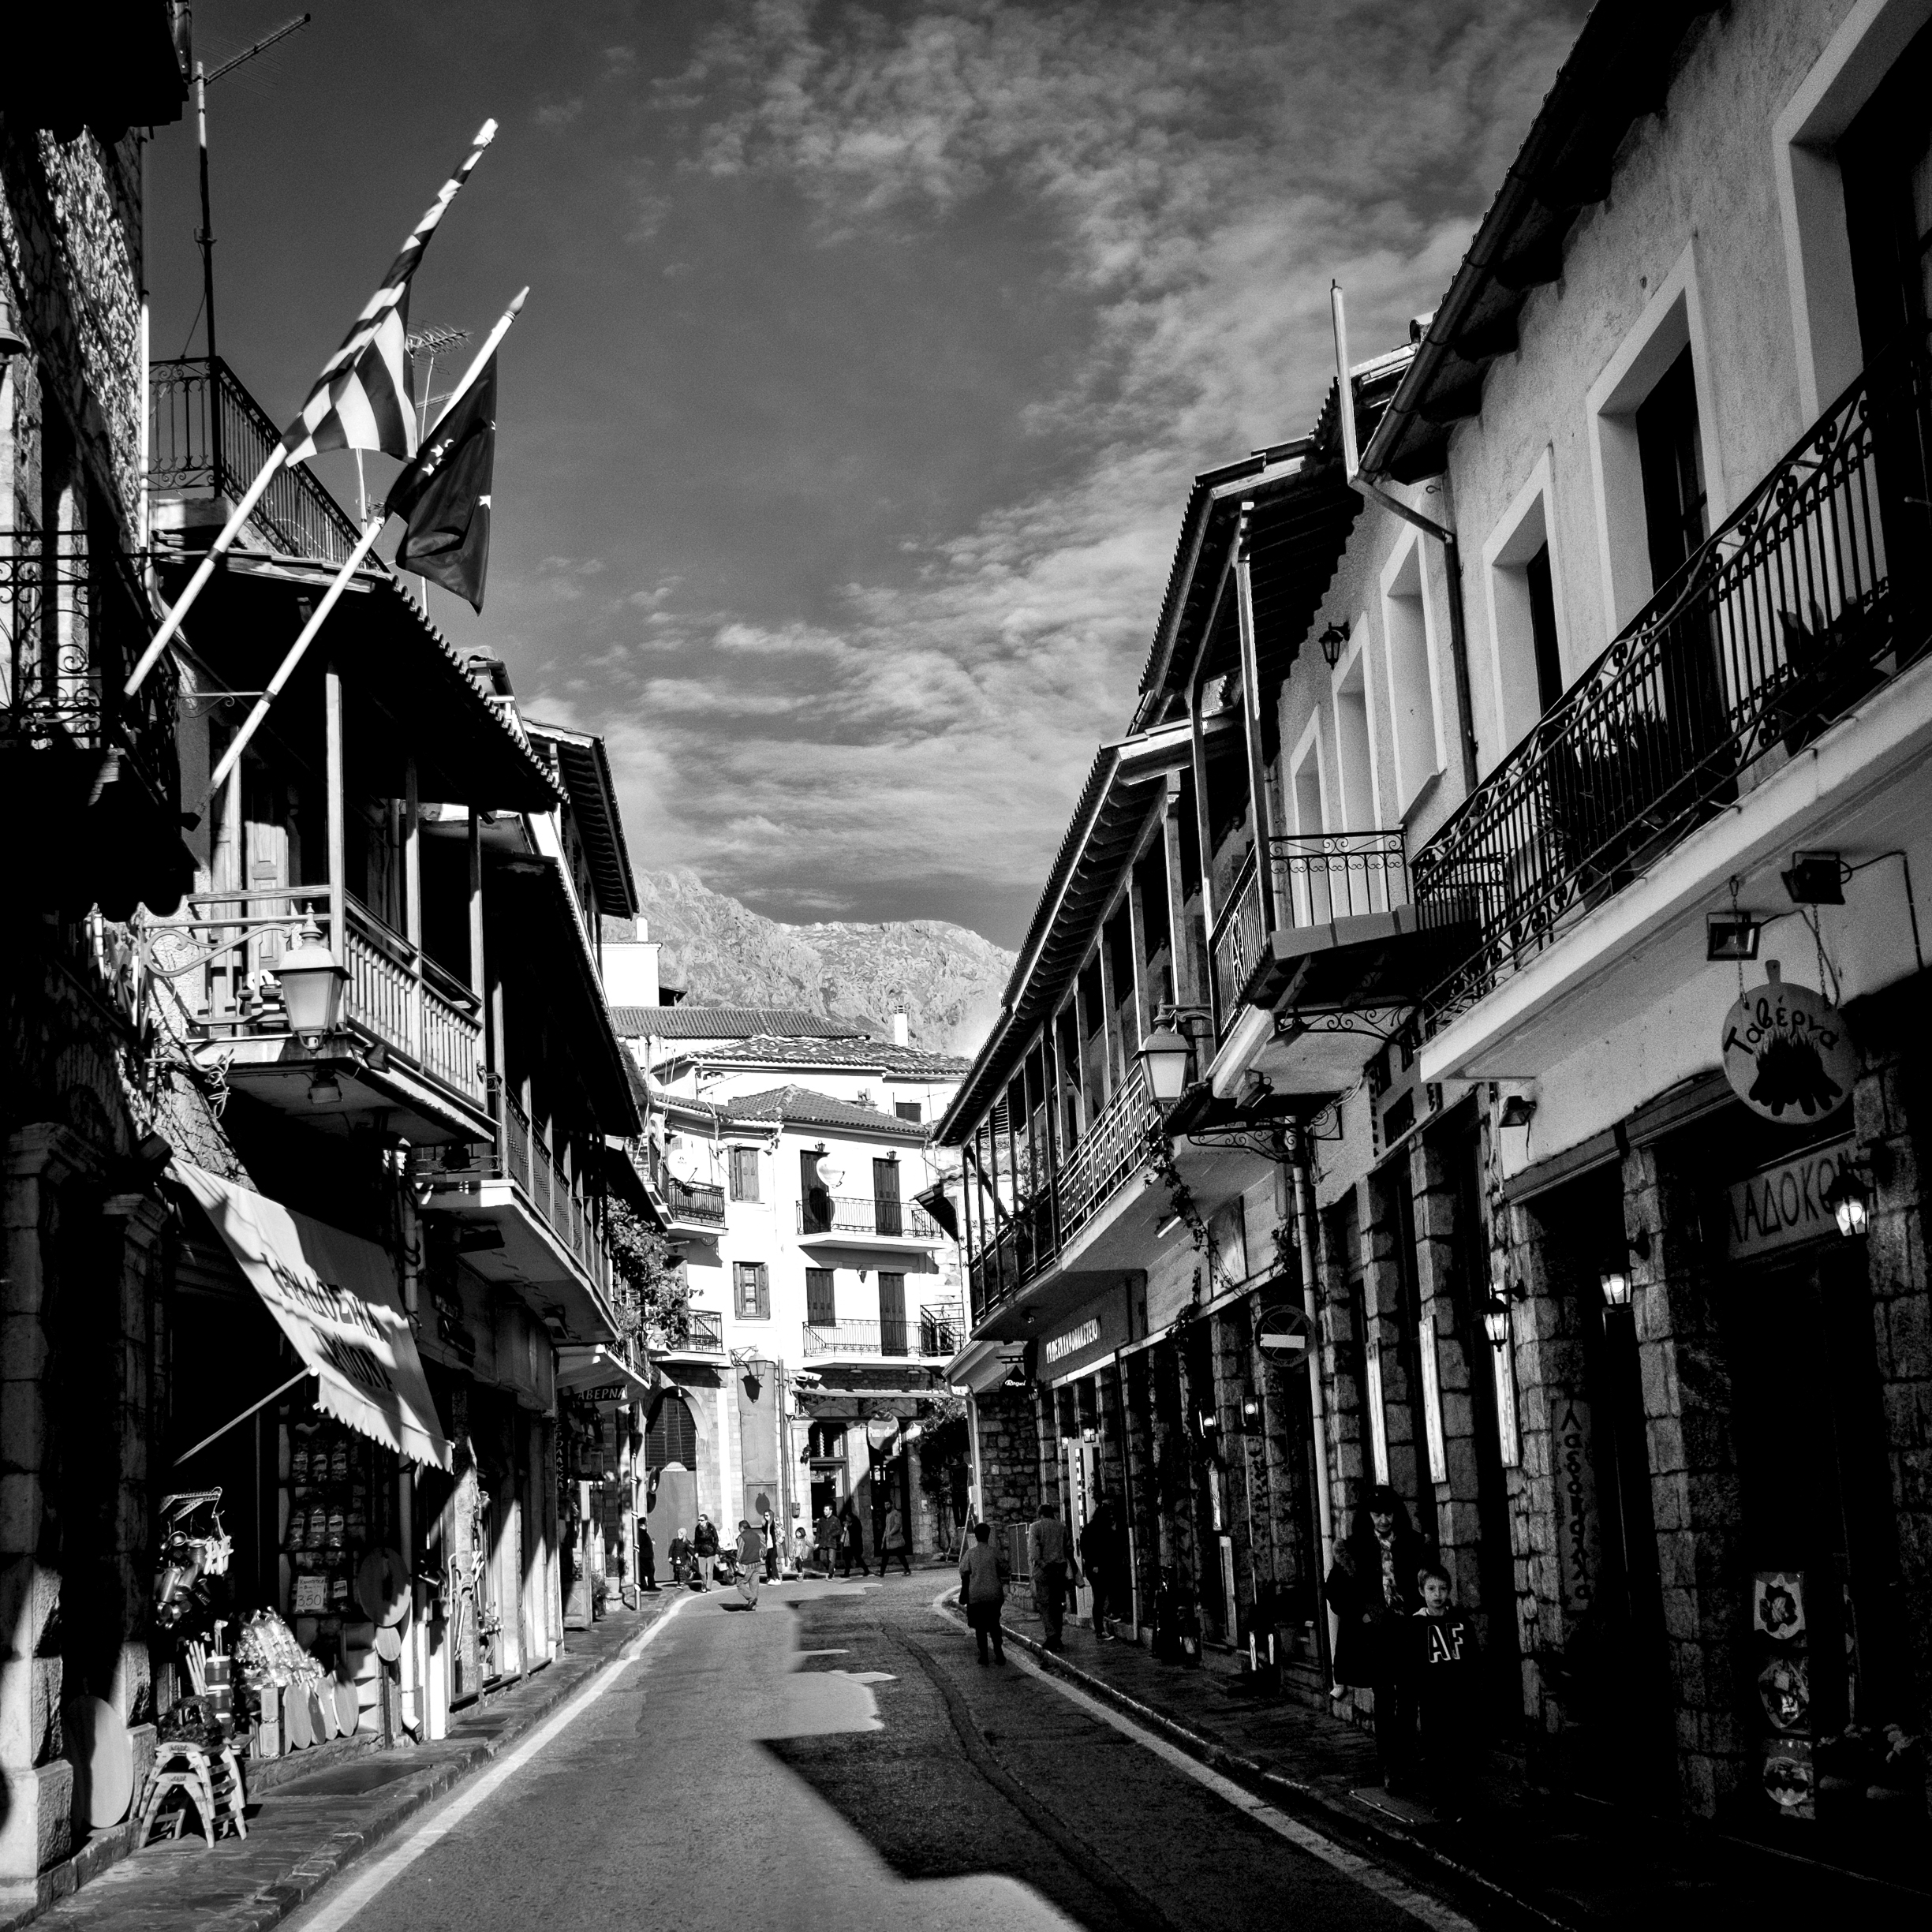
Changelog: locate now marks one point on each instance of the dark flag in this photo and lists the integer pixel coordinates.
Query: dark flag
(444, 494)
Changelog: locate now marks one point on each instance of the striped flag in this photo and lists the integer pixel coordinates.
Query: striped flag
(365, 397)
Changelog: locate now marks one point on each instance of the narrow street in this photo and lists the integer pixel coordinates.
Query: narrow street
(838, 1758)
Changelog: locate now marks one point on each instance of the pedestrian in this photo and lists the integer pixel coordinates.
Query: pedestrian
(1447, 1705)
(679, 1555)
(704, 1550)
(1050, 1557)
(1372, 1589)
(1100, 1556)
(801, 1550)
(982, 1594)
(771, 1544)
(750, 1560)
(646, 1559)
(851, 1541)
(894, 1546)
(827, 1537)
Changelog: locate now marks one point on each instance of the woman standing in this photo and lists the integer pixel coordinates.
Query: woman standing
(1372, 1590)
(894, 1548)
(982, 1593)
(826, 1535)
(851, 1541)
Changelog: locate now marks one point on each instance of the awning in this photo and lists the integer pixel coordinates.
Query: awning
(599, 1373)
(335, 1295)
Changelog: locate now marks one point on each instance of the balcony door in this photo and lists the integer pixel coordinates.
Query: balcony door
(888, 1218)
(814, 1196)
(820, 1305)
(891, 1312)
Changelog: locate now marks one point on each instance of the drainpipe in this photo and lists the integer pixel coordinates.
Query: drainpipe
(1317, 1394)
(1451, 550)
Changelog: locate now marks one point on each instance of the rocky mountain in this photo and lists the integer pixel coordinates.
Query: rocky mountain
(946, 979)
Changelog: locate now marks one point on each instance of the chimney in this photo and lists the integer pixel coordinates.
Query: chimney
(900, 1036)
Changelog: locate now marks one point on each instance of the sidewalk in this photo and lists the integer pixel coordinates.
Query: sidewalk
(307, 1825)
(1519, 1856)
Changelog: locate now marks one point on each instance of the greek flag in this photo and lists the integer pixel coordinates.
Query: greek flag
(365, 397)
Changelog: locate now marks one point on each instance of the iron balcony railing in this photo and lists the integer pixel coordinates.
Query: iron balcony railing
(685, 1201)
(934, 1336)
(704, 1332)
(1236, 943)
(223, 949)
(73, 618)
(1807, 598)
(208, 437)
(875, 1214)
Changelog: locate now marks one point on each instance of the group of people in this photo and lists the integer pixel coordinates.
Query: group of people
(699, 1557)
(1056, 1571)
(840, 1537)
(1400, 1634)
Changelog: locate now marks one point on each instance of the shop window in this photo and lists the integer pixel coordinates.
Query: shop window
(753, 1292)
(744, 1173)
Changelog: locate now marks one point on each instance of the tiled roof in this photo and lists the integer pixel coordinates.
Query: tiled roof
(849, 1056)
(802, 1107)
(689, 1022)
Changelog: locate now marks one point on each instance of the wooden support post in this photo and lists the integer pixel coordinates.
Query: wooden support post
(337, 808)
(413, 898)
(1258, 817)
(1180, 941)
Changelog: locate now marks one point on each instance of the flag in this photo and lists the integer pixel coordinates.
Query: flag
(365, 397)
(444, 494)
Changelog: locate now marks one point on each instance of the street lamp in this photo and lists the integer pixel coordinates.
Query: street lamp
(1850, 1202)
(1615, 1282)
(312, 981)
(1495, 1322)
(1165, 1055)
(1331, 641)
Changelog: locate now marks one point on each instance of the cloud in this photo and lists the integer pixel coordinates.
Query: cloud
(1199, 171)
(554, 114)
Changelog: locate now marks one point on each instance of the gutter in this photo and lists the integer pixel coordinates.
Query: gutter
(1451, 550)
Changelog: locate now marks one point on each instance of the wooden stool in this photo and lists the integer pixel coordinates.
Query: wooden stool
(210, 1780)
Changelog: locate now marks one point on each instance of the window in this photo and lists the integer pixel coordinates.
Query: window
(744, 1174)
(1526, 641)
(820, 1305)
(1543, 627)
(1671, 453)
(891, 1314)
(1415, 721)
(815, 1196)
(1354, 745)
(671, 1434)
(753, 1292)
(888, 1218)
(910, 1110)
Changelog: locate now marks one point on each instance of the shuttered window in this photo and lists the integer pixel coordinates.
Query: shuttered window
(671, 1436)
(819, 1306)
(891, 1312)
(744, 1174)
(754, 1291)
(910, 1110)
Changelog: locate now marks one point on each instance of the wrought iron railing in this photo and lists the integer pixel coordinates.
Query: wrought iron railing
(685, 1201)
(819, 1213)
(73, 618)
(935, 1336)
(1236, 944)
(706, 1331)
(209, 437)
(1325, 876)
(1809, 596)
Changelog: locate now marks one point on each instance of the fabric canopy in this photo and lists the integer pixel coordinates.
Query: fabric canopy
(335, 1295)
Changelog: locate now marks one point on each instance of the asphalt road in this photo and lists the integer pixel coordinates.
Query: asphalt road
(839, 1759)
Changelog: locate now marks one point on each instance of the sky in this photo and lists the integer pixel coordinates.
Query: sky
(870, 352)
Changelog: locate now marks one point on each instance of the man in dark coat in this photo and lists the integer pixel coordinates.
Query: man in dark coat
(851, 1541)
(1101, 1557)
(1373, 1591)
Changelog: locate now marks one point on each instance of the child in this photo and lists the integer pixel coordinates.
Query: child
(1444, 1660)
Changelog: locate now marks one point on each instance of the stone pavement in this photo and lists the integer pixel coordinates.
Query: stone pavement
(1517, 1855)
(312, 1814)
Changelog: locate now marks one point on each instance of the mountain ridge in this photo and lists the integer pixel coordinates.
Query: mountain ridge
(946, 979)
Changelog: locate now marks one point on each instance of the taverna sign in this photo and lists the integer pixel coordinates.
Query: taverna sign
(1072, 1342)
(1784, 1204)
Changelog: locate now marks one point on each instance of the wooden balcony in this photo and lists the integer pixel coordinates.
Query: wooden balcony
(691, 1207)
(411, 1036)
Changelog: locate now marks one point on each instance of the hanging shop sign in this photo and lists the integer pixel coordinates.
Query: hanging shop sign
(335, 1296)
(1097, 1330)
(1784, 1204)
(1071, 1343)
(1788, 1053)
(1578, 1556)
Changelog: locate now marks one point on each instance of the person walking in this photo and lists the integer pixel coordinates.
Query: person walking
(750, 1560)
(647, 1559)
(851, 1542)
(1372, 1590)
(771, 1543)
(982, 1594)
(1100, 1556)
(827, 1537)
(1050, 1555)
(894, 1546)
(681, 1558)
(705, 1548)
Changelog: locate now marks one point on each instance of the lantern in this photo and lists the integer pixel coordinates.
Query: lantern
(312, 981)
(1165, 1054)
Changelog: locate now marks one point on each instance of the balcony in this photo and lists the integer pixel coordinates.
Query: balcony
(937, 1336)
(528, 1224)
(692, 1208)
(704, 1336)
(863, 1219)
(208, 439)
(412, 1041)
(97, 771)
(1809, 597)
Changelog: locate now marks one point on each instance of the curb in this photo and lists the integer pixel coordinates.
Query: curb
(300, 1881)
(1254, 1776)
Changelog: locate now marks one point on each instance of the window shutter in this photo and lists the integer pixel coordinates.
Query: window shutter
(763, 1282)
(891, 1312)
(820, 1303)
(910, 1110)
(744, 1174)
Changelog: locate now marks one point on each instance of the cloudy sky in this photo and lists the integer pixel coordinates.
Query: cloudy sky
(870, 351)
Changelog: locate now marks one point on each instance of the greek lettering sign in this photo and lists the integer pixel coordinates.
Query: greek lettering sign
(1787, 1052)
(1784, 1204)
(1579, 1551)
(1060, 1347)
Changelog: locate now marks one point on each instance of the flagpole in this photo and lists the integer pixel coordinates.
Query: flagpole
(230, 530)
(364, 544)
